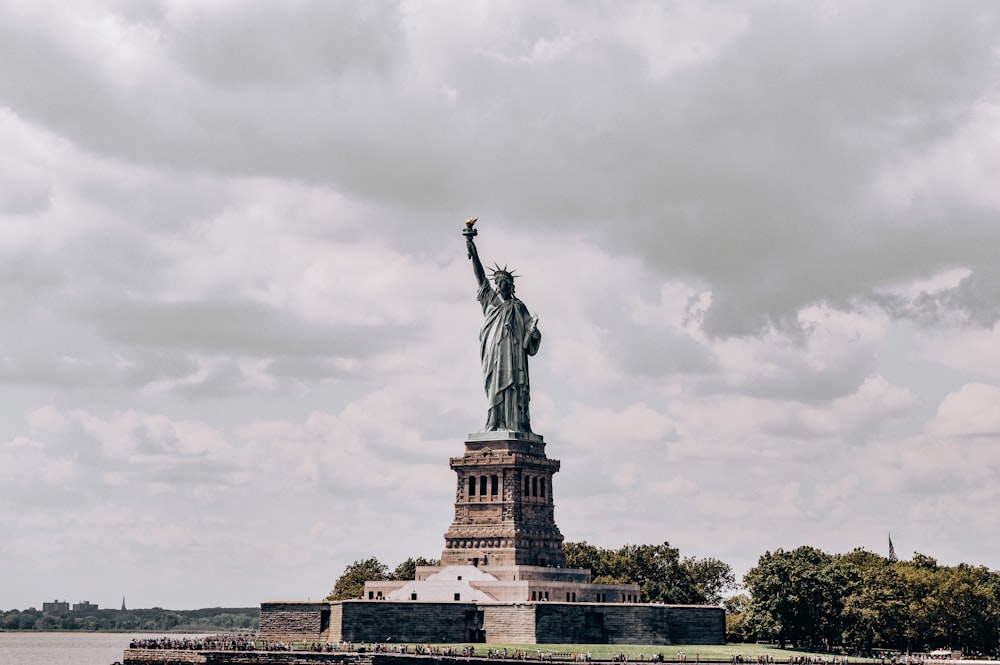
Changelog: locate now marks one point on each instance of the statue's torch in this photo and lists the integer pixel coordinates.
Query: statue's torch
(470, 232)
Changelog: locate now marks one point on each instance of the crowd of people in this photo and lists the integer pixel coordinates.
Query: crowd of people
(211, 643)
(254, 643)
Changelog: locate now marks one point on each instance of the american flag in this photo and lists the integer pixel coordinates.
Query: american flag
(892, 550)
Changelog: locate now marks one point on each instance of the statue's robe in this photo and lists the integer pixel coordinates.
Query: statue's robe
(505, 342)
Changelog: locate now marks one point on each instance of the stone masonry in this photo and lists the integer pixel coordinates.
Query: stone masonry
(499, 623)
(504, 509)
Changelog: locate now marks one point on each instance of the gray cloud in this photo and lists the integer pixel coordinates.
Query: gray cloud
(798, 381)
(285, 46)
(238, 328)
(229, 247)
(974, 301)
(23, 190)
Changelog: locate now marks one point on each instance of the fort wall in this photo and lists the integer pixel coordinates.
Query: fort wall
(502, 623)
(291, 621)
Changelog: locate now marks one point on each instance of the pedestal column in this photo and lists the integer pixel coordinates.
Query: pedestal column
(504, 510)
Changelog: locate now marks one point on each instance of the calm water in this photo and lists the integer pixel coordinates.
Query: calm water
(32, 648)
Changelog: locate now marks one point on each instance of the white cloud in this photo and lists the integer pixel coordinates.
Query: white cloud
(602, 427)
(677, 485)
(964, 166)
(678, 37)
(972, 411)
(967, 350)
(234, 298)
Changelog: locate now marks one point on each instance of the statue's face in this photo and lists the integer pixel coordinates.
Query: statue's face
(505, 287)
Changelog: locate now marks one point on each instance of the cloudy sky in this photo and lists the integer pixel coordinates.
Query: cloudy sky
(238, 327)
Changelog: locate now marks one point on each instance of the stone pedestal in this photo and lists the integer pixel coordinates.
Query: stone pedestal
(504, 512)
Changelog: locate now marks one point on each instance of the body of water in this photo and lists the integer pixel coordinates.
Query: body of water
(33, 648)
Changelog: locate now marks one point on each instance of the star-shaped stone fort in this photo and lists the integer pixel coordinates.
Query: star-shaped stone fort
(503, 575)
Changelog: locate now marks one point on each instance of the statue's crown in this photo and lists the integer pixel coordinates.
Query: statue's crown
(498, 273)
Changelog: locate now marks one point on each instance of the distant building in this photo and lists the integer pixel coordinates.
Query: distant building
(55, 606)
(124, 609)
(84, 606)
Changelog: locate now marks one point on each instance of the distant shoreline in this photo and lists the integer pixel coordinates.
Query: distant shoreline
(126, 631)
(141, 620)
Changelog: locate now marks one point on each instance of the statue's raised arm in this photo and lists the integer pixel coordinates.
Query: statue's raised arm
(508, 336)
(477, 266)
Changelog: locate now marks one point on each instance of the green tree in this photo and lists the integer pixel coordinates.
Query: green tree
(736, 628)
(711, 578)
(658, 570)
(967, 609)
(922, 562)
(875, 603)
(407, 570)
(794, 598)
(147, 620)
(351, 584)
(583, 555)
(918, 580)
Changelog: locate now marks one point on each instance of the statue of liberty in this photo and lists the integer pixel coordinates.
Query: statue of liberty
(508, 336)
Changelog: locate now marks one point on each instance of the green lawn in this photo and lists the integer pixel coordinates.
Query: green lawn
(637, 652)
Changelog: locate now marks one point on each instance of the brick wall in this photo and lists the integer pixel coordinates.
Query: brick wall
(509, 624)
(581, 623)
(407, 621)
(527, 623)
(697, 624)
(602, 624)
(336, 633)
(295, 621)
(161, 657)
